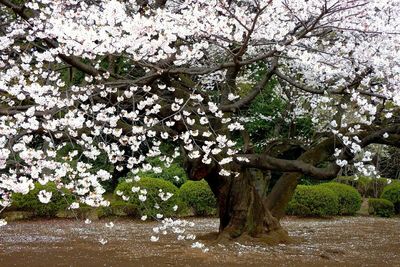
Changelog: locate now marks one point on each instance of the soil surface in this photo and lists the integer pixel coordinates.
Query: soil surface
(345, 241)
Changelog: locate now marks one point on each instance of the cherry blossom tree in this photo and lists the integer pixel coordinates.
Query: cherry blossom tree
(121, 78)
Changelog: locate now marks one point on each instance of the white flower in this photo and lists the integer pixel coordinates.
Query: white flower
(44, 196)
(110, 225)
(385, 135)
(175, 208)
(243, 159)
(175, 107)
(341, 163)
(224, 172)
(154, 238)
(197, 245)
(225, 161)
(159, 216)
(74, 205)
(143, 218)
(103, 175)
(88, 221)
(143, 191)
(135, 189)
(190, 237)
(142, 198)
(103, 241)
(3, 222)
(232, 97)
(388, 115)
(203, 120)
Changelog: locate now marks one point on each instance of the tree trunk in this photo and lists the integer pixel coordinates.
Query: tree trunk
(242, 211)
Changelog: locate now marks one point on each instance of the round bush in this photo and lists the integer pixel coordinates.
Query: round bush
(154, 204)
(313, 201)
(198, 196)
(174, 174)
(349, 198)
(60, 200)
(380, 207)
(392, 193)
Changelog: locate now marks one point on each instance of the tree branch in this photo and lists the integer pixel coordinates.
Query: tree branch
(254, 92)
(275, 164)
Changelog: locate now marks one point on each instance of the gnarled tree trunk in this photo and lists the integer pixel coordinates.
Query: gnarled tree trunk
(245, 209)
(243, 213)
(242, 210)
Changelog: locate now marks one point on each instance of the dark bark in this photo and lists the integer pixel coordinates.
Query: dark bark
(284, 188)
(241, 204)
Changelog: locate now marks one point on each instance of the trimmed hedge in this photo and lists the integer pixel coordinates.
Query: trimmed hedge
(380, 207)
(198, 196)
(313, 201)
(153, 186)
(174, 173)
(349, 198)
(60, 200)
(392, 193)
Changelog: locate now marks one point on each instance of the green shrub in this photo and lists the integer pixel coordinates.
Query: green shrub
(153, 187)
(313, 201)
(366, 186)
(380, 207)
(60, 200)
(198, 196)
(174, 173)
(349, 198)
(121, 208)
(392, 193)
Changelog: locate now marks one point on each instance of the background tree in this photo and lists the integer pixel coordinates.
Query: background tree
(119, 78)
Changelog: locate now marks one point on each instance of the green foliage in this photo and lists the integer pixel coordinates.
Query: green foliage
(313, 201)
(174, 174)
(380, 207)
(122, 208)
(153, 187)
(349, 198)
(60, 200)
(198, 196)
(366, 186)
(267, 116)
(392, 193)
(306, 180)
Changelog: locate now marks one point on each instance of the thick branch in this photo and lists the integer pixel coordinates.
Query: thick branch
(275, 164)
(253, 93)
(340, 90)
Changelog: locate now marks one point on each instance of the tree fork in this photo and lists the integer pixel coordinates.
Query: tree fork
(242, 212)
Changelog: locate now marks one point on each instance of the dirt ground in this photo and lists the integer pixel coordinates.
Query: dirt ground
(345, 241)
